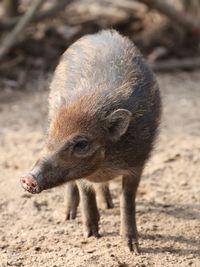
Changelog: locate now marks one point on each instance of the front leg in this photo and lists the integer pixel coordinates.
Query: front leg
(90, 213)
(128, 229)
(72, 200)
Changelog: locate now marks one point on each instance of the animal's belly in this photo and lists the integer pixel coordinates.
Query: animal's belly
(107, 174)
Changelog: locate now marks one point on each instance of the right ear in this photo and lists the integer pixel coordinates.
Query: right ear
(117, 123)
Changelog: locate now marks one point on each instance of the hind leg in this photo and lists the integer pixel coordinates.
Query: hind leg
(104, 198)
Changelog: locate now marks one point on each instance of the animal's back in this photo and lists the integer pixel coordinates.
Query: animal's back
(100, 66)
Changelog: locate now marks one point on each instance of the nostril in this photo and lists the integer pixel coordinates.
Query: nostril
(23, 180)
(29, 182)
(32, 184)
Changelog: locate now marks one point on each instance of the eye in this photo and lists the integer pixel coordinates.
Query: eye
(81, 146)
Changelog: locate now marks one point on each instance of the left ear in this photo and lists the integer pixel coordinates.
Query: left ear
(117, 123)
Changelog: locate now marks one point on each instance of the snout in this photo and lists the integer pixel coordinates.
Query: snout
(30, 184)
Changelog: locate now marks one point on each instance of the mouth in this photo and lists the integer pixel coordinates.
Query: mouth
(29, 184)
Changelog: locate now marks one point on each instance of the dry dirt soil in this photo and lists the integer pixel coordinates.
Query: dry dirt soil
(32, 227)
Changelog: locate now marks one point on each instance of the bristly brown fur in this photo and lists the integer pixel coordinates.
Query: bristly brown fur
(104, 112)
(120, 76)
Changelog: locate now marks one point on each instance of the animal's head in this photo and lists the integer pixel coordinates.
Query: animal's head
(76, 146)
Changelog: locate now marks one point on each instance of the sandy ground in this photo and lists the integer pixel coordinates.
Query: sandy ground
(32, 230)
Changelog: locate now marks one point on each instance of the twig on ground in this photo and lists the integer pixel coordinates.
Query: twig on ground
(50, 12)
(182, 18)
(172, 64)
(7, 65)
(11, 39)
(60, 5)
(157, 53)
(11, 7)
(128, 5)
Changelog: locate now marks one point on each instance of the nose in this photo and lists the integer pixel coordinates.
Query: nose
(29, 184)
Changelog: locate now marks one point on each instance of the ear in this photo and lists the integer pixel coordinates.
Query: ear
(117, 123)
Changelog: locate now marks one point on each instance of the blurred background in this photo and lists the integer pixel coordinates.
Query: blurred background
(33, 36)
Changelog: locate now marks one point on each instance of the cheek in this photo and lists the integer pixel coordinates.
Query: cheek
(99, 157)
(95, 161)
(85, 167)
